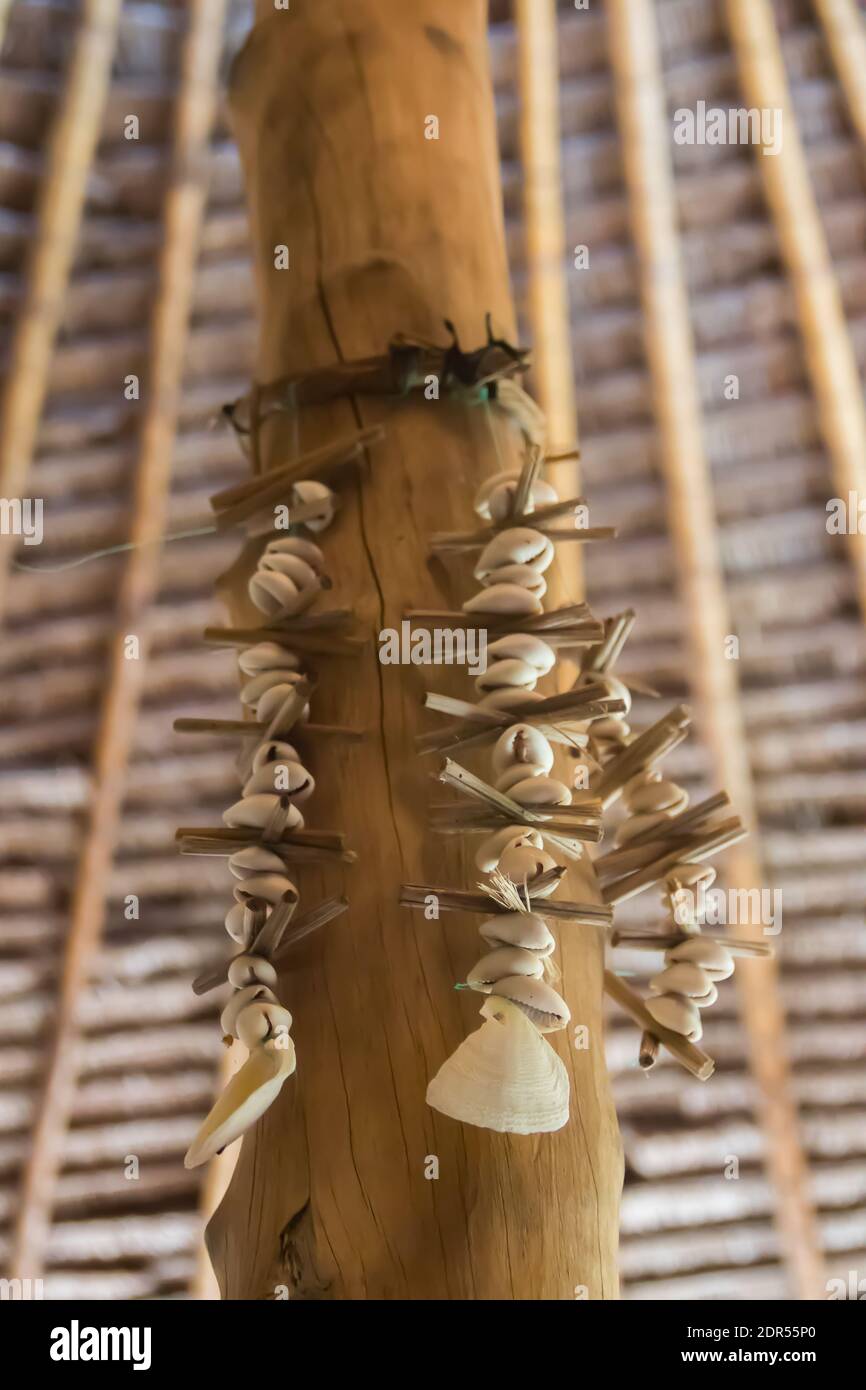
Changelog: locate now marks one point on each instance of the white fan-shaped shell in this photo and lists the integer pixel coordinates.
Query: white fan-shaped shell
(504, 1077)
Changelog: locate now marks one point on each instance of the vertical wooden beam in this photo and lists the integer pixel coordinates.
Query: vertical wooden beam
(830, 358)
(545, 242)
(184, 206)
(645, 142)
(391, 229)
(69, 157)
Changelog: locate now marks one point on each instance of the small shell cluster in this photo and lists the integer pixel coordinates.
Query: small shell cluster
(287, 579)
(525, 1087)
(688, 982)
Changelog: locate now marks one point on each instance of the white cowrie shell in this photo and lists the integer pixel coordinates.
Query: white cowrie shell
(273, 700)
(271, 887)
(540, 791)
(637, 825)
(615, 688)
(278, 596)
(524, 575)
(685, 977)
(488, 854)
(312, 491)
(523, 864)
(715, 960)
(523, 646)
(495, 498)
(503, 963)
(504, 598)
(249, 970)
(241, 999)
(296, 545)
(261, 1020)
(509, 698)
(272, 752)
(546, 1009)
(517, 546)
(525, 929)
(235, 920)
(518, 772)
(690, 875)
(255, 859)
(302, 575)
(284, 779)
(656, 796)
(503, 675)
(254, 689)
(522, 744)
(267, 656)
(254, 812)
(679, 1014)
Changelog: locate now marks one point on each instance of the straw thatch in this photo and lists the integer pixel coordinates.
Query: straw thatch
(149, 1047)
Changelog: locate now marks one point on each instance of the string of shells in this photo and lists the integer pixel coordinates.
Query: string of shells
(289, 577)
(505, 1076)
(687, 984)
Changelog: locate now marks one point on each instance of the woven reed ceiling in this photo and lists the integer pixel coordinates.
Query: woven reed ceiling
(149, 1046)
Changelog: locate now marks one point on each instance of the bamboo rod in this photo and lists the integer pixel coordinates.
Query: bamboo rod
(829, 351)
(184, 207)
(844, 28)
(645, 142)
(69, 159)
(545, 240)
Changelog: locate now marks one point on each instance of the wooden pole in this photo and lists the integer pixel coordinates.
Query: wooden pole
(671, 355)
(845, 30)
(351, 1187)
(183, 212)
(69, 158)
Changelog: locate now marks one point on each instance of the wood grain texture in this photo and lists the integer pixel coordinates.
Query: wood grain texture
(389, 231)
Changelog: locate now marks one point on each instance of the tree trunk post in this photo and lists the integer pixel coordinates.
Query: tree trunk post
(367, 135)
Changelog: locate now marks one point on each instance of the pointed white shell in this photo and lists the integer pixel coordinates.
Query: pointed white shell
(503, 1077)
(245, 1099)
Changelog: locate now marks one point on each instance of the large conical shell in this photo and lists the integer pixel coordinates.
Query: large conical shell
(504, 1077)
(245, 1099)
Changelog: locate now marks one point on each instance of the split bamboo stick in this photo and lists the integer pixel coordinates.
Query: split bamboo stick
(70, 152)
(845, 29)
(830, 357)
(184, 207)
(645, 141)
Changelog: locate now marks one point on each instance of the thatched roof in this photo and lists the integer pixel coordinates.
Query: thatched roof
(149, 1046)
